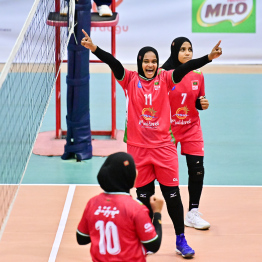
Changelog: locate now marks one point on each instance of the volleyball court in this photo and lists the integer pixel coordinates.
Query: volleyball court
(38, 222)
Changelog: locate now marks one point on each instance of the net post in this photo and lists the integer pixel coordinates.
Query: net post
(58, 73)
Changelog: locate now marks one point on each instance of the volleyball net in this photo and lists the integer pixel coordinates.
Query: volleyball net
(26, 84)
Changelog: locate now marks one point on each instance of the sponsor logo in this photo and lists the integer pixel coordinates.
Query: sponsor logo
(225, 16)
(181, 112)
(175, 179)
(194, 85)
(143, 195)
(173, 194)
(148, 113)
(156, 85)
(149, 124)
(148, 227)
(106, 211)
(180, 122)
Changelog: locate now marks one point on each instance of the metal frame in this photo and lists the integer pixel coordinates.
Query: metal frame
(59, 133)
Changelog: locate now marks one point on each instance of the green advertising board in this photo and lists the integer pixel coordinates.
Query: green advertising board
(223, 16)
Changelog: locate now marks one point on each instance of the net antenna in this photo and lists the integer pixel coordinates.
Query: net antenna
(26, 85)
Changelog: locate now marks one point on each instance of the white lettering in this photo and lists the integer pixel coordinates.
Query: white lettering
(180, 122)
(106, 211)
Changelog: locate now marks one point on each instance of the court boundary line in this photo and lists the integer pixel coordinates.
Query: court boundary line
(62, 223)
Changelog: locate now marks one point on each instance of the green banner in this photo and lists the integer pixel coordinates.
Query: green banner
(223, 16)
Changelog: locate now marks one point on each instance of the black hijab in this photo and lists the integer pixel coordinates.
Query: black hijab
(140, 58)
(172, 62)
(118, 173)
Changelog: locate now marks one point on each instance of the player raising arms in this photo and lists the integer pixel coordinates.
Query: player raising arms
(185, 98)
(147, 127)
(119, 227)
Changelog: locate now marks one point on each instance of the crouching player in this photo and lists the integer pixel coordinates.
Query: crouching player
(118, 227)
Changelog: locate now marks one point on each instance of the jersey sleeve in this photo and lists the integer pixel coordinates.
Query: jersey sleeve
(168, 78)
(202, 85)
(125, 80)
(82, 228)
(144, 227)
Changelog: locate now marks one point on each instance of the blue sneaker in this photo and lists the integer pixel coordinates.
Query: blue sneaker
(182, 248)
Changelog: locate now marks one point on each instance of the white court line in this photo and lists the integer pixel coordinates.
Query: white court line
(61, 227)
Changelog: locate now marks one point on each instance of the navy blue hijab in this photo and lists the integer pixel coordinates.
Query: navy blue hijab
(172, 62)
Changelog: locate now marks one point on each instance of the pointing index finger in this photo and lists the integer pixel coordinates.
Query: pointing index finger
(217, 45)
(85, 33)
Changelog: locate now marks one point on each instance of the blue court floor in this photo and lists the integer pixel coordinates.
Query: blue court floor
(231, 126)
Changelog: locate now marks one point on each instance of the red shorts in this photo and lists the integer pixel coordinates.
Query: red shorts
(192, 148)
(155, 163)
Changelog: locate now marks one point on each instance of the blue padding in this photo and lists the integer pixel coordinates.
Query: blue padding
(77, 82)
(75, 148)
(77, 48)
(78, 140)
(77, 124)
(85, 7)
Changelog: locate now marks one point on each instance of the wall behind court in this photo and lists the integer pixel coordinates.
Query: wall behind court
(237, 23)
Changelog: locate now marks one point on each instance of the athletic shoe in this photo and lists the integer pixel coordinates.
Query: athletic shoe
(182, 248)
(64, 11)
(104, 10)
(193, 219)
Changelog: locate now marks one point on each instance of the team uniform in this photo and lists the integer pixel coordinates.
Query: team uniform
(185, 99)
(118, 226)
(148, 135)
(185, 121)
(147, 127)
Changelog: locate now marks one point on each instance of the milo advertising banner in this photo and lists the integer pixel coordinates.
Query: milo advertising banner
(224, 16)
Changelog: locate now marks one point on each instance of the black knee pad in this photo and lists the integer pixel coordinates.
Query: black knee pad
(144, 193)
(171, 195)
(196, 173)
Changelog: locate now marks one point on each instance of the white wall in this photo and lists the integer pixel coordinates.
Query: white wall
(154, 23)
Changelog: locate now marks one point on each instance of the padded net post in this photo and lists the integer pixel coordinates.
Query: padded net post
(78, 140)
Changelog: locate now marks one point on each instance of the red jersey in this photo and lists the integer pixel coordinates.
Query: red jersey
(148, 109)
(185, 121)
(117, 225)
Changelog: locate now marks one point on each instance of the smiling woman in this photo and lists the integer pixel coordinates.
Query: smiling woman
(147, 127)
(150, 64)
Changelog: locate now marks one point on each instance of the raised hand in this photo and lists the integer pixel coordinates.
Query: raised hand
(87, 42)
(216, 52)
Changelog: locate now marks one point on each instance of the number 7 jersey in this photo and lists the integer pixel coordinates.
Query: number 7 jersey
(185, 121)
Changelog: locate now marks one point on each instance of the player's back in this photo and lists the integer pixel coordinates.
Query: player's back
(117, 224)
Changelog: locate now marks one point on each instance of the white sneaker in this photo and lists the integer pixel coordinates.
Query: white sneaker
(64, 11)
(193, 219)
(104, 10)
